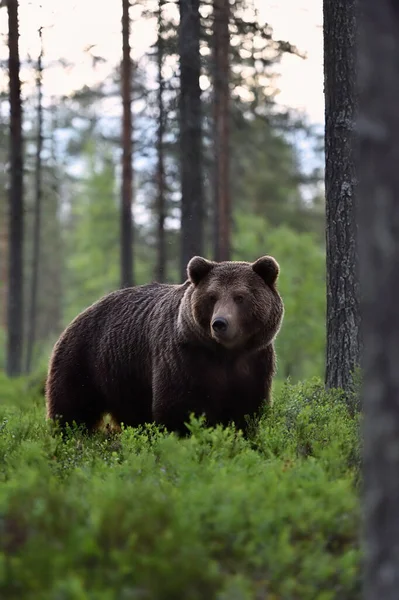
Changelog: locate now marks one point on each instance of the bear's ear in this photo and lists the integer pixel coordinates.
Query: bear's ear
(198, 268)
(267, 268)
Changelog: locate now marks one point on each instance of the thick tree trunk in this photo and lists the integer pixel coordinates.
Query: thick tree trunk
(127, 154)
(161, 204)
(379, 252)
(340, 181)
(221, 99)
(31, 338)
(3, 259)
(192, 204)
(16, 210)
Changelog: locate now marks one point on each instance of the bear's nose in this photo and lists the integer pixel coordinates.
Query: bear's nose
(219, 324)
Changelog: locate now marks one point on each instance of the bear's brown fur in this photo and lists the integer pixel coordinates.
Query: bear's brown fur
(160, 352)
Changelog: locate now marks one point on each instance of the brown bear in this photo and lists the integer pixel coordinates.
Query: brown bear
(158, 352)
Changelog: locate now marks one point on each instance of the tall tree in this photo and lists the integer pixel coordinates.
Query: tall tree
(221, 101)
(4, 155)
(378, 127)
(161, 204)
(32, 318)
(340, 182)
(191, 152)
(127, 153)
(16, 206)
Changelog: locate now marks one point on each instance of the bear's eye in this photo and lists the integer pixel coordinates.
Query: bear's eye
(212, 298)
(238, 299)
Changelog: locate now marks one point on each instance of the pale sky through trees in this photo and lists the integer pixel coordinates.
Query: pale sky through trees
(70, 27)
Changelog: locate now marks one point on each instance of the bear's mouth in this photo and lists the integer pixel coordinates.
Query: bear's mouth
(225, 339)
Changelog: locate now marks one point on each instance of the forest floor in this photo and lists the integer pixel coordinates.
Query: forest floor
(144, 515)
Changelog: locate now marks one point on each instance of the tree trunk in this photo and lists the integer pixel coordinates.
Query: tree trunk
(127, 154)
(3, 259)
(343, 340)
(379, 251)
(192, 204)
(161, 204)
(221, 99)
(37, 215)
(16, 210)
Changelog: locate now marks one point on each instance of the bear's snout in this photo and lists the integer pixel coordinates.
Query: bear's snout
(224, 329)
(220, 325)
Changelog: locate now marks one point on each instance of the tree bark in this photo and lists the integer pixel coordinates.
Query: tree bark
(161, 204)
(343, 321)
(3, 259)
(192, 203)
(221, 100)
(16, 210)
(127, 277)
(37, 215)
(378, 127)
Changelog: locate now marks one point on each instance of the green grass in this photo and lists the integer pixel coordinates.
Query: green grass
(144, 515)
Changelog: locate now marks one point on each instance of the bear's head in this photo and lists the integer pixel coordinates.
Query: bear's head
(235, 304)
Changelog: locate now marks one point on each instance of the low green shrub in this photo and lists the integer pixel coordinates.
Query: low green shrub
(143, 514)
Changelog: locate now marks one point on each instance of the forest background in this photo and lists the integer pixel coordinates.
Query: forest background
(70, 66)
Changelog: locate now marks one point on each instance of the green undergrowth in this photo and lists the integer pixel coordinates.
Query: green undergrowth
(144, 515)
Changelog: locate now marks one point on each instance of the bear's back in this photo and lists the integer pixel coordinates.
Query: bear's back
(130, 321)
(113, 337)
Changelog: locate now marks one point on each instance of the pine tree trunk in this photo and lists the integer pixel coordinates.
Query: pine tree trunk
(3, 259)
(192, 203)
(221, 99)
(161, 204)
(127, 154)
(16, 210)
(343, 342)
(37, 216)
(379, 253)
